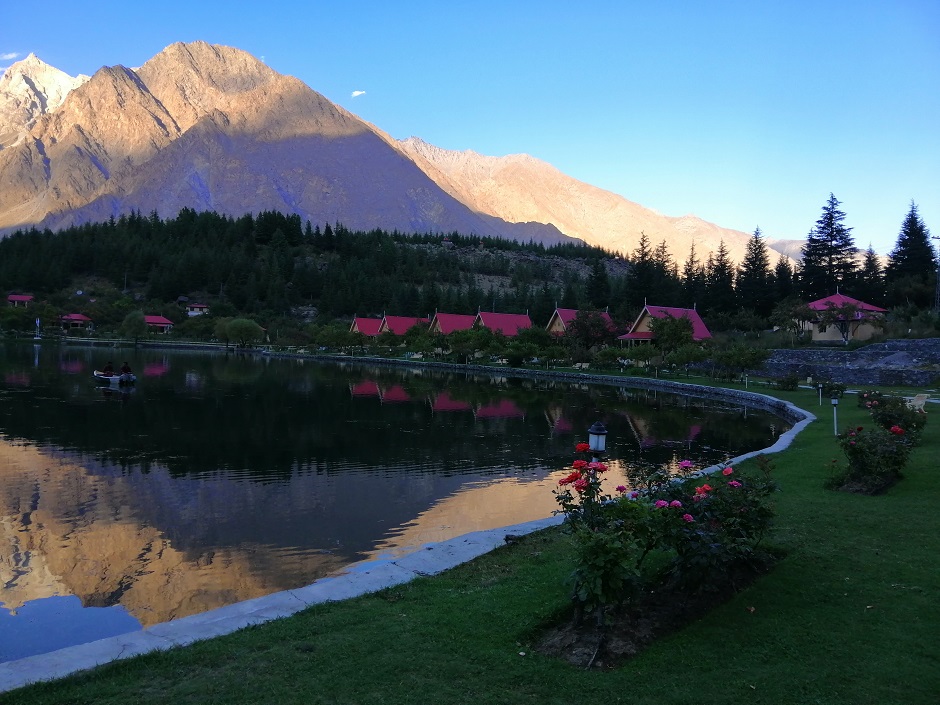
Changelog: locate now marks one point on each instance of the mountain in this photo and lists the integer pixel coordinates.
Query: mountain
(212, 128)
(519, 187)
(29, 89)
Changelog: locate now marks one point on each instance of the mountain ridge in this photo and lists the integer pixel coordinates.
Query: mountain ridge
(211, 127)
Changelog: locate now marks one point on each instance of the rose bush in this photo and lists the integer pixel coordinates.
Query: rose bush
(875, 458)
(700, 532)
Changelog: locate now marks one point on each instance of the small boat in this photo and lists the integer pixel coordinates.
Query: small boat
(120, 380)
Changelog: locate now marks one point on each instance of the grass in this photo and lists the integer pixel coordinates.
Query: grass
(850, 616)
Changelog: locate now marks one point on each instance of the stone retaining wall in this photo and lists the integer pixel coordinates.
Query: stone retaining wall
(914, 363)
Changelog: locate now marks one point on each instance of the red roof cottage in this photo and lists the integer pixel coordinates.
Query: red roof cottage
(399, 325)
(447, 323)
(640, 330)
(75, 320)
(369, 327)
(159, 323)
(19, 300)
(864, 321)
(563, 317)
(509, 324)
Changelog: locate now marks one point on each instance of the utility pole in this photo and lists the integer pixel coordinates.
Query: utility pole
(936, 296)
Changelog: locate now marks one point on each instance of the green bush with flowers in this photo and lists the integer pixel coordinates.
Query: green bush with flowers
(680, 534)
(876, 457)
(869, 398)
(894, 411)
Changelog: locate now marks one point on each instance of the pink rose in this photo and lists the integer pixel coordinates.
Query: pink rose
(675, 503)
(621, 489)
(688, 517)
(660, 503)
(727, 471)
(735, 483)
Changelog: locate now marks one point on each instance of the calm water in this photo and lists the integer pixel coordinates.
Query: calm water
(223, 478)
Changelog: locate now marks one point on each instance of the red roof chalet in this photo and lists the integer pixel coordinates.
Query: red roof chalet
(75, 320)
(399, 325)
(447, 323)
(563, 317)
(367, 326)
(19, 300)
(162, 324)
(837, 300)
(509, 324)
(640, 330)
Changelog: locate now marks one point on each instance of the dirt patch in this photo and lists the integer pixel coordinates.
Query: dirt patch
(626, 632)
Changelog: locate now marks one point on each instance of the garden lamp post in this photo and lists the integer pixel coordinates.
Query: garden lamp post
(819, 386)
(597, 440)
(835, 416)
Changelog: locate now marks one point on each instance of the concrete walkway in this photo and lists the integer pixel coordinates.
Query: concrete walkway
(358, 579)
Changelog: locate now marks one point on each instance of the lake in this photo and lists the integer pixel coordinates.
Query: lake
(219, 478)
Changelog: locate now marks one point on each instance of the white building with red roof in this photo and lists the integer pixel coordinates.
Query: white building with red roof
(564, 317)
(75, 320)
(641, 331)
(447, 323)
(159, 323)
(856, 320)
(508, 324)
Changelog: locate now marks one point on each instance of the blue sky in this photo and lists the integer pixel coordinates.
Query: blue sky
(744, 113)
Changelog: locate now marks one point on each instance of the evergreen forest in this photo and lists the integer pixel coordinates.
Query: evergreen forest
(284, 274)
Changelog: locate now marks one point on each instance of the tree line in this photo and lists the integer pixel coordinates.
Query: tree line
(271, 265)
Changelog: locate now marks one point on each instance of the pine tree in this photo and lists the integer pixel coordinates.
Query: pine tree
(598, 285)
(693, 281)
(642, 275)
(720, 282)
(828, 255)
(783, 279)
(871, 280)
(911, 272)
(752, 287)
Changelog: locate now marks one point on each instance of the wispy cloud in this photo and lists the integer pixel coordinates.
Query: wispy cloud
(9, 55)
(356, 94)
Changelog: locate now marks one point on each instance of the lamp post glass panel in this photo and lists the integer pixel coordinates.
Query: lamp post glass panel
(597, 439)
(835, 416)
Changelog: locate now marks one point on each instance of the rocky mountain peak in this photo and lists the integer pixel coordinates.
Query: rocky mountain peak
(30, 89)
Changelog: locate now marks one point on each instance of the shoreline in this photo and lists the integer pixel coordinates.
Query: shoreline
(374, 574)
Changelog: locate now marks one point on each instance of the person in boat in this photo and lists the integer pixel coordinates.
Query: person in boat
(108, 369)
(125, 369)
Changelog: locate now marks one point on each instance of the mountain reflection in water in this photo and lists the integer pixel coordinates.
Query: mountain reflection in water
(220, 478)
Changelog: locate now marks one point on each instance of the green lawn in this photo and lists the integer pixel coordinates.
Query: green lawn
(851, 615)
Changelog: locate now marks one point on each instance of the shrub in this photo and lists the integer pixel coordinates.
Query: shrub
(869, 398)
(703, 529)
(875, 458)
(894, 411)
(833, 390)
(787, 384)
